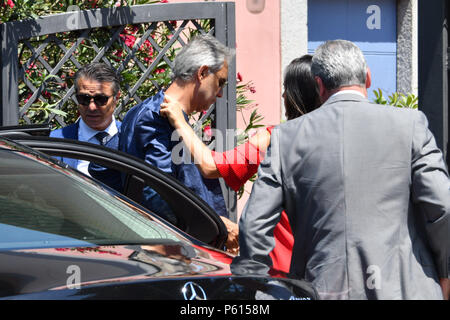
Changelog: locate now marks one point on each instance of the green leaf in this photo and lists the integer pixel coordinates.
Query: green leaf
(397, 99)
(57, 111)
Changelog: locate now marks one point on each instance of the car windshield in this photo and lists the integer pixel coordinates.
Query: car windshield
(45, 205)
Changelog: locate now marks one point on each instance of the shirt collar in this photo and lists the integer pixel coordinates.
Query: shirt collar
(348, 92)
(86, 133)
(160, 96)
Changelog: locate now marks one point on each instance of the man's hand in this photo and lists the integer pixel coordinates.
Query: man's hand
(445, 285)
(232, 242)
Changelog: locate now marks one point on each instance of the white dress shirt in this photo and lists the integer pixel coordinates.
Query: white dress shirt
(347, 92)
(87, 134)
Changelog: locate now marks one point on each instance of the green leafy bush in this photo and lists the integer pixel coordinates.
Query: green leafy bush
(397, 99)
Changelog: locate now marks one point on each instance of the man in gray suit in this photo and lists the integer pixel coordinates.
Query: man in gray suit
(365, 188)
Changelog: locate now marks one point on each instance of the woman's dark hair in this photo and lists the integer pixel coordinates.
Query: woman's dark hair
(300, 91)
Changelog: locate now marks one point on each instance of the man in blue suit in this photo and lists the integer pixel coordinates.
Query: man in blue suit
(97, 89)
(199, 74)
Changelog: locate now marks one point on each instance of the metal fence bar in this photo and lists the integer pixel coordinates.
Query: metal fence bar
(433, 70)
(118, 16)
(225, 110)
(9, 75)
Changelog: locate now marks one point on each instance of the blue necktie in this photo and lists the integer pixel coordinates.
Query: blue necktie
(102, 137)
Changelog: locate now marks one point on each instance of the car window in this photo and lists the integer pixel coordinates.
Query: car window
(130, 177)
(47, 199)
(134, 188)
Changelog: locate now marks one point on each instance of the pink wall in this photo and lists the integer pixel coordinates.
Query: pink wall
(258, 57)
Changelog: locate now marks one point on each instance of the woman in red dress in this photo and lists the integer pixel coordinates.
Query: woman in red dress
(238, 165)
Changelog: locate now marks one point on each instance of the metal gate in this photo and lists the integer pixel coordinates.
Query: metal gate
(48, 95)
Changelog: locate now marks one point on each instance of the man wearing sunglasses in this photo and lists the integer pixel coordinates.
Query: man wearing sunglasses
(199, 74)
(97, 90)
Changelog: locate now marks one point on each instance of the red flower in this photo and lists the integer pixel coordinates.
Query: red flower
(164, 1)
(239, 77)
(128, 39)
(134, 30)
(208, 132)
(28, 98)
(119, 53)
(10, 3)
(93, 3)
(147, 45)
(32, 66)
(46, 94)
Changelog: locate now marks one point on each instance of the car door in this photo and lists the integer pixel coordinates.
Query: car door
(194, 216)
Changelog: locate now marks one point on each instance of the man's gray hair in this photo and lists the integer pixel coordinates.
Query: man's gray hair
(202, 50)
(339, 63)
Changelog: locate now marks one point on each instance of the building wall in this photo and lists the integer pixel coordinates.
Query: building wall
(370, 24)
(294, 34)
(407, 46)
(258, 57)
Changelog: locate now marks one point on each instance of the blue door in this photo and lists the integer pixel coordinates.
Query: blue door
(370, 24)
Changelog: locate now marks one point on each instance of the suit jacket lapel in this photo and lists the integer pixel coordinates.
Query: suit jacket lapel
(71, 132)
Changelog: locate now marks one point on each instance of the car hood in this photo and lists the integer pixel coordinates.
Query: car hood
(157, 271)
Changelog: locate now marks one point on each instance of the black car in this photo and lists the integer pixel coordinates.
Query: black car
(65, 236)
(193, 215)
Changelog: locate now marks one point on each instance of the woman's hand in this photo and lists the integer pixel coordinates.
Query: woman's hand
(173, 111)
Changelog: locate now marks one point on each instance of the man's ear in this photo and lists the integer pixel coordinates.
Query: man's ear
(202, 72)
(322, 90)
(368, 78)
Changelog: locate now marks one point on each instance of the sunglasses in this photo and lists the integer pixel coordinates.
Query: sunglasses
(222, 82)
(85, 99)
